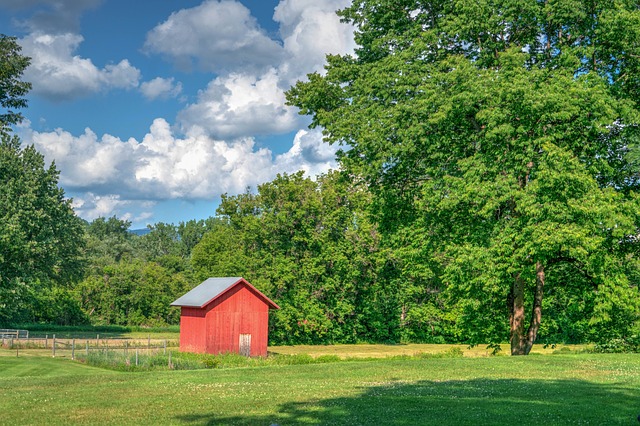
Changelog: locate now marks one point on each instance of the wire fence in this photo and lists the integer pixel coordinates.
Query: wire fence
(72, 347)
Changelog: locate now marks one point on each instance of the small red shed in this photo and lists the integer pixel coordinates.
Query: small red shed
(225, 315)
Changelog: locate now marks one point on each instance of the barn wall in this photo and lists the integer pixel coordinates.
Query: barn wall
(239, 311)
(193, 330)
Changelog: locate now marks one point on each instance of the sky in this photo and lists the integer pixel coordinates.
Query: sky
(151, 109)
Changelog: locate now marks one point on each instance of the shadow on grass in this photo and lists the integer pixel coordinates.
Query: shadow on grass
(458, 402)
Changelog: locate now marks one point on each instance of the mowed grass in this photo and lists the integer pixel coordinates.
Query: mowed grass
(547, 389)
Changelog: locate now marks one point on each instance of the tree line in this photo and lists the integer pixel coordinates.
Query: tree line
(488, 179)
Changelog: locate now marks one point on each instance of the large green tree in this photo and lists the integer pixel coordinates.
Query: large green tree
(40, 236)
(41, 239)
(495, 135)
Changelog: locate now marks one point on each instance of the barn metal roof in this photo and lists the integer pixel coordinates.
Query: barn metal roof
(211, 288)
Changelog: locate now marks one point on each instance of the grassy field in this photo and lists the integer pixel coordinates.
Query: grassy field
(544, 389)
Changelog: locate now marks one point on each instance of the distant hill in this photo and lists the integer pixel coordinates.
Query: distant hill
(140, 232)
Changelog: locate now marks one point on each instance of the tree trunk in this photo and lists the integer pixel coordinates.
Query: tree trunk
(536, 314)
(517, 317)
(522, 343)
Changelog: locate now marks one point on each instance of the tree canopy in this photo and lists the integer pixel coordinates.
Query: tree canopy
(12, 88)
(41, 239)
(496, 137)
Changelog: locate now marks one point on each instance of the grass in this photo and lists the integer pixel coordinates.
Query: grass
(551, 389)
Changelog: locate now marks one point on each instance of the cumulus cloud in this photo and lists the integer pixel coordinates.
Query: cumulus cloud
(216, 35)
(58, 74)
(310, 30)
(162, 88)
(163, 166)
(309, 153)
(240, 105)
(91, 206)
(247, 100)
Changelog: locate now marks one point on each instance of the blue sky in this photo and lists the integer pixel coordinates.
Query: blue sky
(153, 109)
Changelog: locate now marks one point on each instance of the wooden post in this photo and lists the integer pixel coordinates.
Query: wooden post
(53, 347)
(165, 347)
(73, 349)
(46, 341)
(149, 342)
(86, 347)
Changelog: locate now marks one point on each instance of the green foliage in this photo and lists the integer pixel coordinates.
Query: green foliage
(12, 89)
(497, 138)
(132, 293)
(40, 237)
(310, 246)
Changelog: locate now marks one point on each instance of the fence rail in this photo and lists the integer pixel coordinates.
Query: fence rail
(72, 346)
(14, 333)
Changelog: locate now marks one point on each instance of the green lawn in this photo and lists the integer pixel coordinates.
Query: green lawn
(547, 389)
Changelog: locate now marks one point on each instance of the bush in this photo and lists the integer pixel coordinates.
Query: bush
(623, 345)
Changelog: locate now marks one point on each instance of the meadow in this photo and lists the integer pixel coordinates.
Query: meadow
(565, 387)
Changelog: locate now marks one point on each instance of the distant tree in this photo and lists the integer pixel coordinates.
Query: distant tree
(108, 240)
(12, 88)
(495, 136)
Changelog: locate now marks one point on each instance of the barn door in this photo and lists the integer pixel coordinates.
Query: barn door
(245, 344)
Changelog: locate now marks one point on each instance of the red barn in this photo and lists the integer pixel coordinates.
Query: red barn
(225, 315)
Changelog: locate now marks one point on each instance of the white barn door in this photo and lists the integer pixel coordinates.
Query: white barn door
(245, 344)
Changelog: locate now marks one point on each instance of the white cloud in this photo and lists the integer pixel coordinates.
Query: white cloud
(160, 88)
(309, 153)
(240, 105)
(164, 167)
(311, 30)
(247, 100)
(57, 74)
(217, 35)
(91, 206)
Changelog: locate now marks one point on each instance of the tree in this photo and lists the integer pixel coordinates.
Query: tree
(108, 241)
(12, 89)
(310, 246)
(41, 239)
(495, 136)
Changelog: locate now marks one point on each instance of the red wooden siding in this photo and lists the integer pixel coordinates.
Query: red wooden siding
(216, 327)
(238, 311)
(192, 329)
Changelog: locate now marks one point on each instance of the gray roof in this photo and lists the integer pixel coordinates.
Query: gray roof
(211, 288)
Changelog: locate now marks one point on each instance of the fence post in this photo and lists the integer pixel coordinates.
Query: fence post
(126, 348)
(73, 349)
(86, 347)
(149, 342)
(53, 347)
(46, 341)
(165, 346)
(136, 355)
